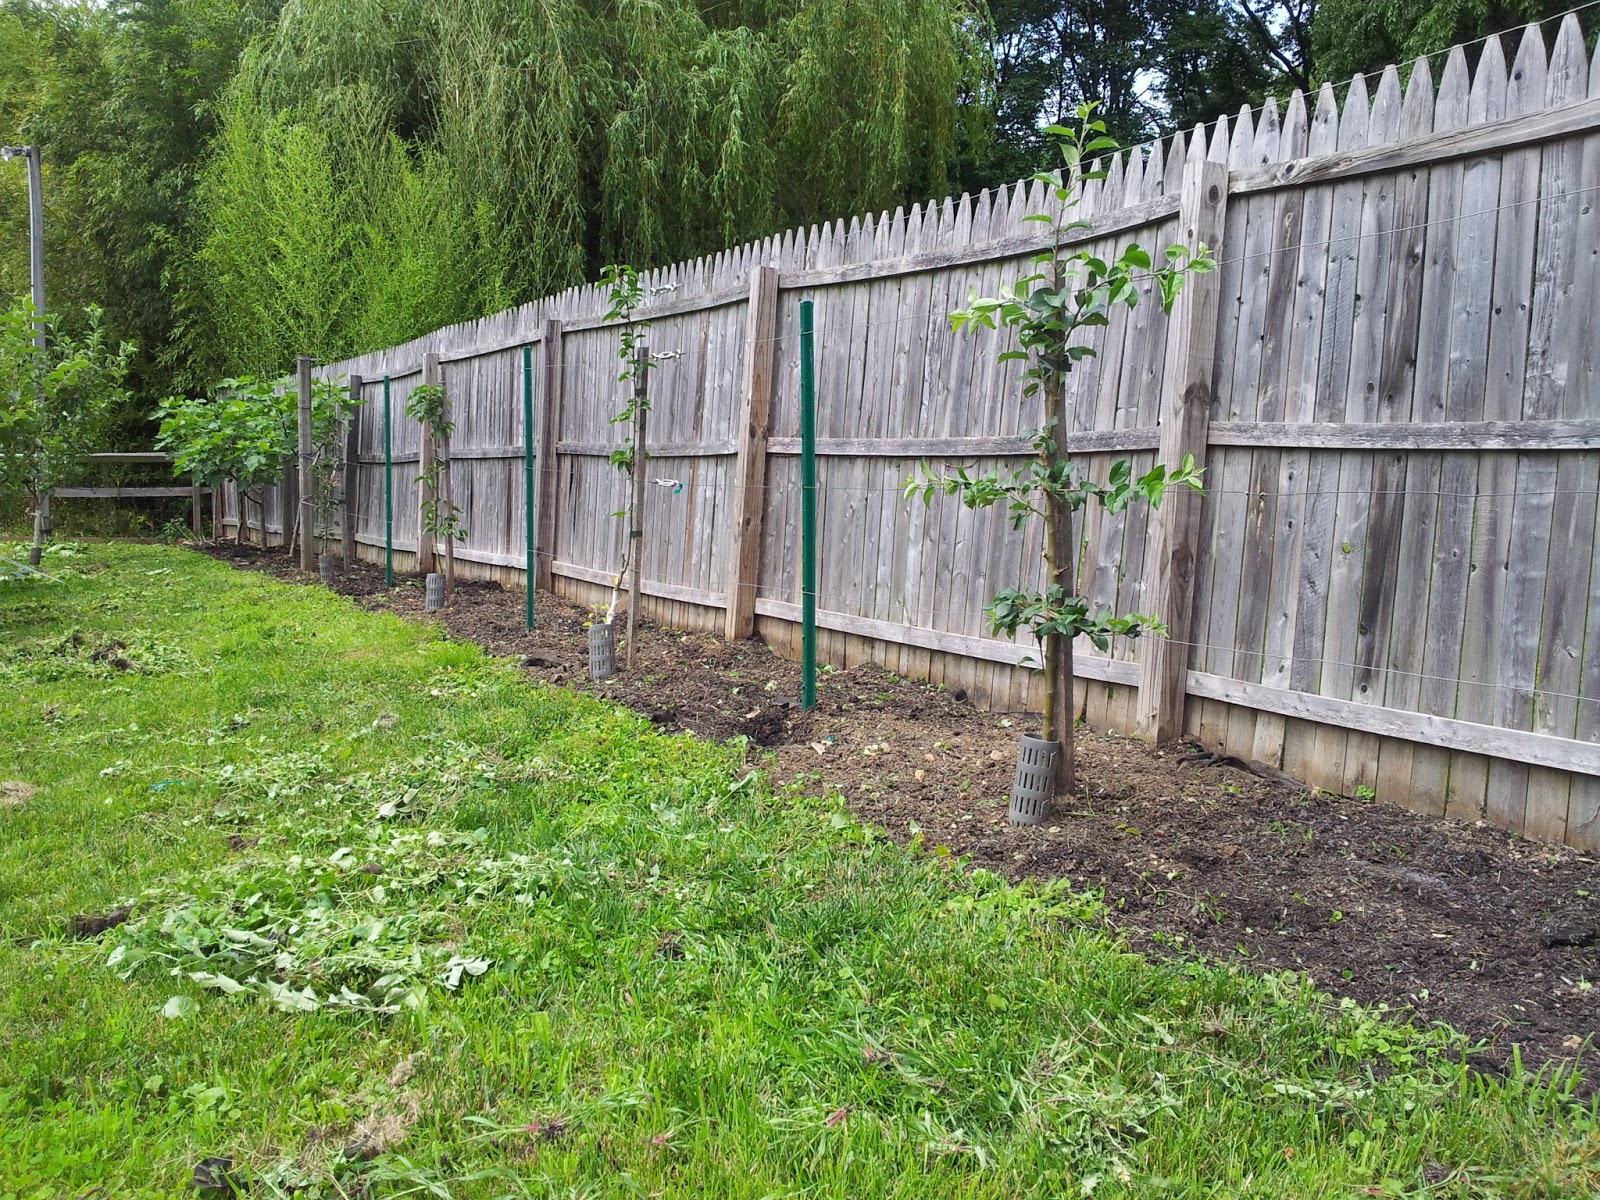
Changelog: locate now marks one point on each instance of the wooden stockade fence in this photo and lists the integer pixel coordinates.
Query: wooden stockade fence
(1391, 582)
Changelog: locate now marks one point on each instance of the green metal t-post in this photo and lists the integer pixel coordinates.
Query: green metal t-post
(808, 510)
(532, 491)
(388, 492)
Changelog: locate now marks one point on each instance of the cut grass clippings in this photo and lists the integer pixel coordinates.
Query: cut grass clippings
(404, 924)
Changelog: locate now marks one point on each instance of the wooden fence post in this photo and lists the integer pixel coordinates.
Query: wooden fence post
(1185, 422)
(347, 474)
(545, 457)
(194, 509)
(307, 488)
(431, 375)
(750, 475)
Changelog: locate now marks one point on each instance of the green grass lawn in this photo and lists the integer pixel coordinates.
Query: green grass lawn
(409, 925)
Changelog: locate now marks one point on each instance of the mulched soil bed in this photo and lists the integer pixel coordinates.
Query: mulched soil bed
(1494, 934)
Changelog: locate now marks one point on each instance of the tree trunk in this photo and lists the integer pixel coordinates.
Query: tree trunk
(41, 529)
(1059, 557)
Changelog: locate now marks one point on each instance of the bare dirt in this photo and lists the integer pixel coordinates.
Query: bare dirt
(1466, 924)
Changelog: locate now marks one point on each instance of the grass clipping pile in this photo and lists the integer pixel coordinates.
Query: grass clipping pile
(1462, 923)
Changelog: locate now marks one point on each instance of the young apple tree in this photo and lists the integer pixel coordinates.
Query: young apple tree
(1071, 291)
(627, 291)
(54, 406)
(429, 406)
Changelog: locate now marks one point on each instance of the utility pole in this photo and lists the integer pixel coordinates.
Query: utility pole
(41, 516)
(36, 239)
(35, 229)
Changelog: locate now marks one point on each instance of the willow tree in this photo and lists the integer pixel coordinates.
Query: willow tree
(541, 138)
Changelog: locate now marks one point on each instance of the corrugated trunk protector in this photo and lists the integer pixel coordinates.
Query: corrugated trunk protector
(602, 650)
(1034, 785)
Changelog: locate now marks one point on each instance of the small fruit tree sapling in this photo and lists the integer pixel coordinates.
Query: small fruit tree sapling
(627, 292)
(1070, 292)
(332, 407)
(429, 406)
(56, 405)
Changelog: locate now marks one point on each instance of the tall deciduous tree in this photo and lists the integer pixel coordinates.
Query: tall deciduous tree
(1351, 36)
(1152, 65)
(1053, 55)
(1216, 55)
(120, 97)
